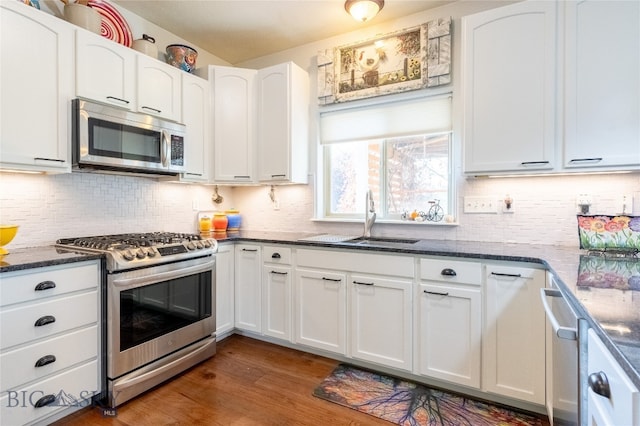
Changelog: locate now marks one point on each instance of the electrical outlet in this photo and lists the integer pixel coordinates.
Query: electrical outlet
(583, 203)
(624, 204)
(480, 205)
(195, 206)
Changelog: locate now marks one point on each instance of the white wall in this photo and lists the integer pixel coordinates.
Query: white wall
(57, 206)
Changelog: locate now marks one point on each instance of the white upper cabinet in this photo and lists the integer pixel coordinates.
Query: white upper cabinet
(36, 69)
(509, 86)
(195, 115)
(159, 88)
(283, 123)
(105, 71)
(602, 84)
(233, 113)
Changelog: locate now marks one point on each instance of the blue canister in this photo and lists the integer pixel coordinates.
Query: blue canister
(234, 218)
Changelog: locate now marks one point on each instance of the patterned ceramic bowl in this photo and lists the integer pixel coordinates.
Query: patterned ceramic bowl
(181, 56)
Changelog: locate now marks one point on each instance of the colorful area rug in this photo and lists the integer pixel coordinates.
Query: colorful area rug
(406, 403)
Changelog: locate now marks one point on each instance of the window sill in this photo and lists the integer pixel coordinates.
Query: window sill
(385, 222)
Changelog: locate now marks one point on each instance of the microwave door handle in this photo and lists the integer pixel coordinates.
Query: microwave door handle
(165, 149)
(566, 333)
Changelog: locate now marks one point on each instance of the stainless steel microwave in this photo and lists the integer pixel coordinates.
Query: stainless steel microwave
(111, 139)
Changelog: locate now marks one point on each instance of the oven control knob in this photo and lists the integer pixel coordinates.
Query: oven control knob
(191, 246)
(127, 254)
(151, 252)
(199, 245)
(206, 243)
(141, 254)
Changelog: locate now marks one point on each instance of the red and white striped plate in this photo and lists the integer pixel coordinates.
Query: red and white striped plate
(113, 26)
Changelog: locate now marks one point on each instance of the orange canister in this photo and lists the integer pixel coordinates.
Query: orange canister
(220, 222)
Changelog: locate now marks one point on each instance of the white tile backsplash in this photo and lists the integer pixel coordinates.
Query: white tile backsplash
(48, 207)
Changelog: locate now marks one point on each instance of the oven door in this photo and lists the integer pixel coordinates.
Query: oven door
(153, 312)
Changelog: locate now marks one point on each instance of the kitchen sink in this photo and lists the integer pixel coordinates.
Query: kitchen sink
(381, 241)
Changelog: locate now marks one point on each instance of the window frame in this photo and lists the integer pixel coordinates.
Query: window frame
(324, 197)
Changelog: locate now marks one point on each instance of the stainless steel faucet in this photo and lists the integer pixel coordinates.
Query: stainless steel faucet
(369, 214)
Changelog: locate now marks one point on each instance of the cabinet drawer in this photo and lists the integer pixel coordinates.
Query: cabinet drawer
(275, 254)
(19, 366)
(452, 271)
(382, 264)
(17, 406)
(23, 286)
(17, 324)
(621, 408)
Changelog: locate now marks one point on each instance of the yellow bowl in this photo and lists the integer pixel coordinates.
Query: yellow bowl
(7, 232)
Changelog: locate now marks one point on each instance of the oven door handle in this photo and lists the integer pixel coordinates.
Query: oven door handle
(566, 333)
(164, 276)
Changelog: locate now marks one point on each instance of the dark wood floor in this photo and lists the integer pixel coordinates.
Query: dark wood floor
(248, 382)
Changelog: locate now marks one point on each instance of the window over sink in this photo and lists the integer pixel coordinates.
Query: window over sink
(400, 150)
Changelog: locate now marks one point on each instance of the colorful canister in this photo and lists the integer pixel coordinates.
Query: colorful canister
(220, 222)
(205, 224)
(234, 218)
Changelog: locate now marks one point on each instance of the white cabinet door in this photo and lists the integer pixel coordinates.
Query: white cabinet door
(320, 309)
(248, 287)
(283, 116)
(380, 320)
(234, 123)
(450, 333)
(277, 301)
(159, 87)
(602, 84)
(195, 115)
(105, 71)
(620, 407)
(225, 321)
(513, 355)
(509, 88)
(37, 86)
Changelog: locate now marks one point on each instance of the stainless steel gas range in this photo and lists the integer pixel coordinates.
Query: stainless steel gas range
(160, 307)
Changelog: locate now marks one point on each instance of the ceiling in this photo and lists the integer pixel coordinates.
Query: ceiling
(240, 30)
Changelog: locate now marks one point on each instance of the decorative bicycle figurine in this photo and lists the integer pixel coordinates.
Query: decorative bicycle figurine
(435, 213)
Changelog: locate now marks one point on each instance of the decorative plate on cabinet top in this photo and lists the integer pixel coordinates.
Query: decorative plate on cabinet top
(114, 26)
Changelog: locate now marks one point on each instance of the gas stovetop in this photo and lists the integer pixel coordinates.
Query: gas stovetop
(129, 251)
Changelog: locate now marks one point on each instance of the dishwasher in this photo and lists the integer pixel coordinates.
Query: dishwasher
(566, 357)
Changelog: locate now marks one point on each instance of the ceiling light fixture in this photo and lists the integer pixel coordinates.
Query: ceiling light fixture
(363, 10)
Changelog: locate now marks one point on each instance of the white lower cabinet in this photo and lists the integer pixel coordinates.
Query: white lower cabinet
(276, 279)
(380, 320)
(449, 321)
(248, 287)
(513, 355)
(320, 309)
(50, 345)
(225, 297)
(612, 399)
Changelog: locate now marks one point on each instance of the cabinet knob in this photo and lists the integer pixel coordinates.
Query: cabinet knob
(47, 359)
(448, 272)
(599, 384)
(45, 285)
(276, 256)
(47, 319)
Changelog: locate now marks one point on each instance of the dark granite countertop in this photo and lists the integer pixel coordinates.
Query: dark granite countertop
(37, 257)
(594, 290)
